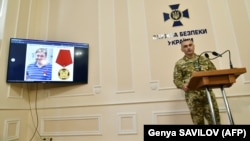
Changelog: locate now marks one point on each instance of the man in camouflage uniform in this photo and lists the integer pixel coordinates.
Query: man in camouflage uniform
(197, 100)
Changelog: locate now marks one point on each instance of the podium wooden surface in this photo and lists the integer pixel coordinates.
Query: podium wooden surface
(214, 78)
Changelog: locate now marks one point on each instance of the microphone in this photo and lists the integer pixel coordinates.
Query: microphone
(216, 54)
(220, 55)
(198, 60)
(206, 55)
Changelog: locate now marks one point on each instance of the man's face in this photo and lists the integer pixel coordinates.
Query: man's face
(187, 47)
(41, 58)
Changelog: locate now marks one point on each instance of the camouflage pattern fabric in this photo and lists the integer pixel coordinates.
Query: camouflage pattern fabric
(197, 100)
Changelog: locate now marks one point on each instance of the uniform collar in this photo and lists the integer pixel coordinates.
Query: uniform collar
(187, 59)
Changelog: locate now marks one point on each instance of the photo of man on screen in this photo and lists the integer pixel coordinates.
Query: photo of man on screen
(40, 68)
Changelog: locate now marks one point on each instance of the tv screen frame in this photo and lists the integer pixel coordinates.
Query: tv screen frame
(47, 61)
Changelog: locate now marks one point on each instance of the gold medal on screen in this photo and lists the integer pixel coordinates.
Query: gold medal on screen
(63, 74)
(64, 59)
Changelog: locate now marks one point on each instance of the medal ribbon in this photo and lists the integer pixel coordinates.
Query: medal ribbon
(64, 58)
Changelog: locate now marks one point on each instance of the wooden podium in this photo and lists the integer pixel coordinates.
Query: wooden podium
(215, 79)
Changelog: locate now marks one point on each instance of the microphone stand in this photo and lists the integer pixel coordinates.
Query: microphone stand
(222, 87)
(206, 88)
(220, 55)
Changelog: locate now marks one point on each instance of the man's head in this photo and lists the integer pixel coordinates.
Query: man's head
(188, 47)
(41, 55)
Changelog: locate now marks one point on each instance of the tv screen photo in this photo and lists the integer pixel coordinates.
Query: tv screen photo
(45, 61)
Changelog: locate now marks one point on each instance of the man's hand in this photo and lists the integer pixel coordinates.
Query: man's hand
(185, 87)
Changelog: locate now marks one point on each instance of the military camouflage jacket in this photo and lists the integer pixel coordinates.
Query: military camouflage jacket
(184, 67)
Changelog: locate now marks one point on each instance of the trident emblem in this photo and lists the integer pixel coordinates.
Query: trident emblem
(176, 15)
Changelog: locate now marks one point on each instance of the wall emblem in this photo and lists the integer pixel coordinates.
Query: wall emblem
(176, 15)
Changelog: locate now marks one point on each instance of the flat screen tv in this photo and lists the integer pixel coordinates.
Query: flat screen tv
(44, 61)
